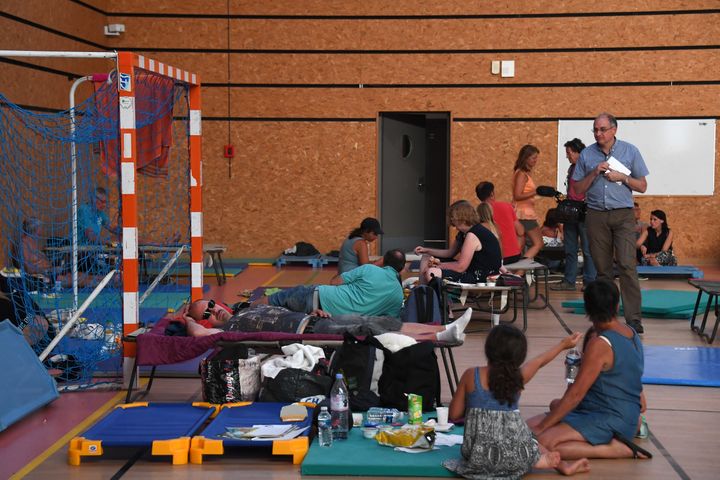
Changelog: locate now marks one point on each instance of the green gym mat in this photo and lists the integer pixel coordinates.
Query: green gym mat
(656, 303)
(172, 300)
(359, 456)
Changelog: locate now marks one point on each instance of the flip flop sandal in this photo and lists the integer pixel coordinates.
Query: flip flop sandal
(636, 449)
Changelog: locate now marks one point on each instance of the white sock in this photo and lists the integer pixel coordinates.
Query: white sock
(451, 335)
(462, 322)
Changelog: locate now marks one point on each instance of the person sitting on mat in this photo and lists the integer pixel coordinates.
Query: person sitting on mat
(655, 242)
(497, 442)
(598, 414)
(642, 431)
(217, 318)
(355, 250)
(366, 290)
(473, 256)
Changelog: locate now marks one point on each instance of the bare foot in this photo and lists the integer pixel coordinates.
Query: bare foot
(548, 460)
(571, 468)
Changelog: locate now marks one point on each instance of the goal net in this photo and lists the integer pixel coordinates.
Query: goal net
(72, 213)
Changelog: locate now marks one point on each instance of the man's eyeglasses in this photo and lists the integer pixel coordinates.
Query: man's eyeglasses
(601, 129)
(209, 310)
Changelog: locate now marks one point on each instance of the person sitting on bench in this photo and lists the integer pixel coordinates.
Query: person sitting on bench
(355, 250)
(217, 318)
(35, 262)
(655, 242)
(473, 256)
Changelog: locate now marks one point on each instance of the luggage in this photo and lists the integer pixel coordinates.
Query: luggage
(226, 377)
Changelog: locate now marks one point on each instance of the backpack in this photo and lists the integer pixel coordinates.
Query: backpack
(413, 369)
(356, 359)
(422, 306)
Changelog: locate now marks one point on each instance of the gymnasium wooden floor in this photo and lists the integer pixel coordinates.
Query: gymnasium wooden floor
(684, 421)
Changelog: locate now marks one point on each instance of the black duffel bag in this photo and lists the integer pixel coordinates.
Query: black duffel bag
(570, 211)
(567, 211)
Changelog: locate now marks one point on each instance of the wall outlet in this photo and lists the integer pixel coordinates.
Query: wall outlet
(508, 68)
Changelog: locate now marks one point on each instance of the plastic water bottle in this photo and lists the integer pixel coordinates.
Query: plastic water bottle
(572, 365)
(384, 415)
(339, 407)
(325, 436)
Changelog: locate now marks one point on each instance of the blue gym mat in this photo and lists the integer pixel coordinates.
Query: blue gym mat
(134, 426)
(257, 413)
(688, 366)
(674, 271)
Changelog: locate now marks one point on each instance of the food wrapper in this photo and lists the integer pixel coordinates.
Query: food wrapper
(407, 437)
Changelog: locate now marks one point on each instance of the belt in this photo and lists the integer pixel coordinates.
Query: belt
(309, 326)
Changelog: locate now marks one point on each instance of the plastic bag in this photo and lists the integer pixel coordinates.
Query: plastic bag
(423, 437)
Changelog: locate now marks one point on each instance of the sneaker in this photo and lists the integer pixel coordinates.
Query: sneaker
(563, 286)
(637, 326)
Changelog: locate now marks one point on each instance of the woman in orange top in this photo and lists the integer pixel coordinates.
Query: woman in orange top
(524, 197)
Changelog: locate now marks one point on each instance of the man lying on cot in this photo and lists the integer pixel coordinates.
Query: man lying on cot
(217, 318)
(366, 290)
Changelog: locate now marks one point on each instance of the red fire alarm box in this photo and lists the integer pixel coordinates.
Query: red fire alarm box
(229, 151)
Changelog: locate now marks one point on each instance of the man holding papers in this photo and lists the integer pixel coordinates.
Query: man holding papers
(608, 171)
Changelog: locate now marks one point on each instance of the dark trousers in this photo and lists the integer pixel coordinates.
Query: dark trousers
(612, 236)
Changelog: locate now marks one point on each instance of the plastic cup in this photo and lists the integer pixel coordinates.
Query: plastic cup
(357, 419)
(442, 415)
(496, 319)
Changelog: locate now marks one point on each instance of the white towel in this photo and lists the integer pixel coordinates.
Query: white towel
(297, 355)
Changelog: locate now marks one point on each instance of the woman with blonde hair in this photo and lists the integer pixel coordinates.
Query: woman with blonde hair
(487, 219)
(473, 255)
(524, 197)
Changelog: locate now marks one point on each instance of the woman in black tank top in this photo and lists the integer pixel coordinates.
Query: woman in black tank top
(655, 242)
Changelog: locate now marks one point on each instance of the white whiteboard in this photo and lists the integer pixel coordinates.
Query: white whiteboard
(680, 154)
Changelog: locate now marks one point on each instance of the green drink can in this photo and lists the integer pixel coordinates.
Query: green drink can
(414, 409)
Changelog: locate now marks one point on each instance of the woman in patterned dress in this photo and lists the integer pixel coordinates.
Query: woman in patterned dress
(497, 442)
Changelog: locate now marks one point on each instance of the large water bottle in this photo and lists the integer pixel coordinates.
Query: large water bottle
(339, 407)
(572, 365)
(384, 415)
(325, 436)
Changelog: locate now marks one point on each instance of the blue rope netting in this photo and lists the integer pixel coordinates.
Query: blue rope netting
(36, 217)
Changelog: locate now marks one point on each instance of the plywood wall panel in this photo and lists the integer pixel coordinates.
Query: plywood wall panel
(409, 69)
(578, 67)
(34, 88)
(291, 182)
(447, 34)
(519, 33)
(17, 36)
(62, 15)
(518, 102)
(186, 33)
(400, 7)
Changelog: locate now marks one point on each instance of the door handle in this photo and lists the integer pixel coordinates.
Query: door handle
(421, 184)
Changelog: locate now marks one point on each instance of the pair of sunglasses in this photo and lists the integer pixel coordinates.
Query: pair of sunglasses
(209, 310)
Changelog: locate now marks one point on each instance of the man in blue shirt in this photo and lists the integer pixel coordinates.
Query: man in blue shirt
(610, 219)
(94, 228)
